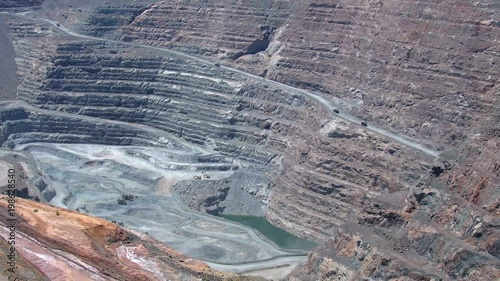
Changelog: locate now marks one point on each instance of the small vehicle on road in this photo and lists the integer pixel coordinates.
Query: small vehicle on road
(336, 110)
(363, 123)
(217, 64)
(58, 24)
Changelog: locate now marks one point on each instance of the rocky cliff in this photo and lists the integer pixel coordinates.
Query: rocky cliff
(427, 70)
(406, 58)
(381, 209)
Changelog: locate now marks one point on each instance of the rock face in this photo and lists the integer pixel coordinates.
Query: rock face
(381, 209)
(427, 70)
(395, 62)
(20, 3)
(8, 77)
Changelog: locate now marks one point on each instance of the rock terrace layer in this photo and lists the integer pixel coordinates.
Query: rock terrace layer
(382, 210)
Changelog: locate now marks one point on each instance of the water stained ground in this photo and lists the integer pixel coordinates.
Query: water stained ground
(279, 236)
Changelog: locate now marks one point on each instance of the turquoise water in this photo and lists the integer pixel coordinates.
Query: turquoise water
(280, 237)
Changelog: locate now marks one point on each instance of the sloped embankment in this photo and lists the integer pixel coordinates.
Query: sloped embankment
(58, 243)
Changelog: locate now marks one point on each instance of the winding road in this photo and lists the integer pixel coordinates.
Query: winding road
(326, 103)
(287, 259)
(243, 249)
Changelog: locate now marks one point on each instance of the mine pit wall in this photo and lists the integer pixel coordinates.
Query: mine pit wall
(324, 182)
(427, 70)
(6, 4)
(261, 117)
(97, 82)
(50, 72)
(350, 169)
(20, 126)
(8, 76)
(424, 69)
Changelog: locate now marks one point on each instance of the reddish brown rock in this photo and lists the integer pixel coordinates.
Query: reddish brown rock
(427, 70)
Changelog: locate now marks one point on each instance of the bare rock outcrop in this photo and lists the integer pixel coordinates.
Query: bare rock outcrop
(380, 209)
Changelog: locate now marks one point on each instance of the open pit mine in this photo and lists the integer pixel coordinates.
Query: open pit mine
(250, 140)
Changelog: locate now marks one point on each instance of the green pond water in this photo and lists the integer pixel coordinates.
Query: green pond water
(280, 237)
